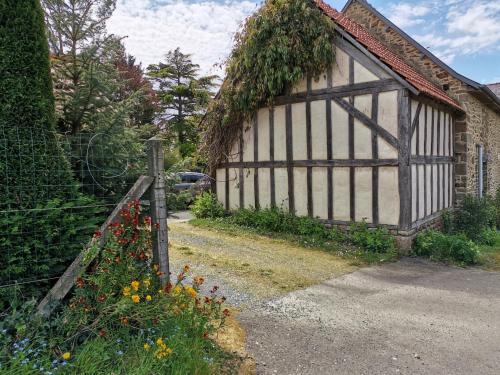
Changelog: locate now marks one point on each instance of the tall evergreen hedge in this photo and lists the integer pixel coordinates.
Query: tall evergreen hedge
(33, 168)
(41, 230)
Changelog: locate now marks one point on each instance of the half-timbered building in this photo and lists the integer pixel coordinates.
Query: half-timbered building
(371, 139)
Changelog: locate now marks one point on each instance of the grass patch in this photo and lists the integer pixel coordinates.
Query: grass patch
(354, 254)
(490, 255)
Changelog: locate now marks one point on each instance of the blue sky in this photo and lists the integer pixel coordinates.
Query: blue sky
(464, 33)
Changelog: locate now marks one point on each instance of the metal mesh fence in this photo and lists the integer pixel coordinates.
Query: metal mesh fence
(45, 221)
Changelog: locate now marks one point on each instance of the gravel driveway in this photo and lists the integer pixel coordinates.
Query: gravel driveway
(408, 317)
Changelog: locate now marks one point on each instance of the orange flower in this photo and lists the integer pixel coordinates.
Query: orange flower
(198, 280)
(190, 291)
(186, 268)
(124, 320)
(135, 285)
(136, 298)
(226, 312)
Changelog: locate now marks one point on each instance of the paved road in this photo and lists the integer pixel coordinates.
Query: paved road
(408, 317)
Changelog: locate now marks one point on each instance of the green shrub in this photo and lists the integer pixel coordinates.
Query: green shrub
(376, 240)
(206, 205)
(489, 237)
(121, 318)
(40, 243)
(443, 247)
(279, 220)
(473, 216)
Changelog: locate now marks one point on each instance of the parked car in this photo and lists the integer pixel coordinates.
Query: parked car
(195, 182)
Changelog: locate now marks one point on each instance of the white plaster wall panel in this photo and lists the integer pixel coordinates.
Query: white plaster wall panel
(362, 74)
(248, 143)
(299, 131)
(388, 195)
(363, 194)
(318, 130)
(388, 111)
(248, 187)
(443, 135)
(442, 182)
(340, 132)
(341, 194)
(281, 187)
(434, 188)
(220, 177)
(428, 189)
(445, 187)
(320, 82)
(340, 69)
(447, 139)
(414, 105)
(434, 136)
(320, 192)
(280, 133)
(263, 134)
(421, 192)
(421, 131)
(301, 86)
(300, 190)
(385, 150)
(362, 134)
(234, 188)
(234, 155)
(450, 187)
(264, 175)
(428, 150)
(414, 192)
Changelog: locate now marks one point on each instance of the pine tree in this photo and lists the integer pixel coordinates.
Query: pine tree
(183, 97)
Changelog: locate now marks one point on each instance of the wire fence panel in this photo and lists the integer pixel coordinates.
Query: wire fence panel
(46, 221)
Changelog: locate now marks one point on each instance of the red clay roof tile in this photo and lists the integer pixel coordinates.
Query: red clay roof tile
(384, 54)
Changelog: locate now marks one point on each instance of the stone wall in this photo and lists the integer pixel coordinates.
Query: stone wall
(480, 125)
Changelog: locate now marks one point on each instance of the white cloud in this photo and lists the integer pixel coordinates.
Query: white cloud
(204, 29)
(405, 15)
(451, 28)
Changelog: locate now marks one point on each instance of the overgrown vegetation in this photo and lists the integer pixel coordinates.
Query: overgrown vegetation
(280, 44)
(207, 206)
(121, 319)
(467, 231)
(359, 240)
(447, 247)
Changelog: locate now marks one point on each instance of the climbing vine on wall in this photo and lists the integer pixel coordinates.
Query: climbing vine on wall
(278, 45)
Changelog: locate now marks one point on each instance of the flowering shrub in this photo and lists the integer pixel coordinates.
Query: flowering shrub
(121, 314)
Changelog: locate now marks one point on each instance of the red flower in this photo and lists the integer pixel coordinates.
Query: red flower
(97, 234)
(147, 220)
(205, 335)
(101, 298)
(168, 287)
(226, 312)
(102, 333)
(155, 322)
(80, 283)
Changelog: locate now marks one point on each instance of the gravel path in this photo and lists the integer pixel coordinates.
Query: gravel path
(407, 317)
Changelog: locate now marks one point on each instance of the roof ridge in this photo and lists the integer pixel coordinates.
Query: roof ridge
(390, 58)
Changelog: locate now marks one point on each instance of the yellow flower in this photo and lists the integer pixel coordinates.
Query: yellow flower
(126, 291)
(159, 341)
(136, 298)
(190, 291)
(147, 283)
(148, 298)
(147, 346)
(66, 356)
(176, 290)
(135, 285)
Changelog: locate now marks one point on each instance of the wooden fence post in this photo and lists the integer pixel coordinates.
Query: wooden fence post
(158, 207)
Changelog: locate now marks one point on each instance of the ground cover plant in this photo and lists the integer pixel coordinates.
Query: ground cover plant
(360, 242)
(470, 234)
(121, 319)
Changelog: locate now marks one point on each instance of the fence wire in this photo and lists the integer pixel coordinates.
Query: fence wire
(45, 218)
